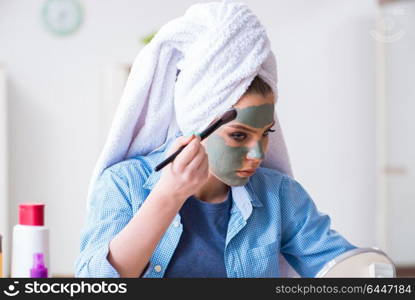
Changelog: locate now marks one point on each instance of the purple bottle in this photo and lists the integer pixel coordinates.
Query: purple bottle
(39, 270)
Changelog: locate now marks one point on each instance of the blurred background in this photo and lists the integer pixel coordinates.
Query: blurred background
(346, 104)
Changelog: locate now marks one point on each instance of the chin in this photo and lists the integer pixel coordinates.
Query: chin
(231, 179)
(235, 180)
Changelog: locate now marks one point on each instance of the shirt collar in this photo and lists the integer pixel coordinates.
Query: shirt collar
(245, 199)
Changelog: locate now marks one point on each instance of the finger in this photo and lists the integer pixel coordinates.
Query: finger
(186, 156)
(205, 161)
(204, 167)
(197, 160)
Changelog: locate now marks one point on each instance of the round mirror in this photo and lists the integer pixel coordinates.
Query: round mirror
(361, 262)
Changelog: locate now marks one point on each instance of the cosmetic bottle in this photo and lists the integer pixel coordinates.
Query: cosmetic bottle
(30, 236)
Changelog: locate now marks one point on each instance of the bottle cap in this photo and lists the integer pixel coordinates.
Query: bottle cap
(39, 270)
(31, 214)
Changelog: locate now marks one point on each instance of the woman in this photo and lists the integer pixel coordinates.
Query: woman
(217, 237)
(215, 211)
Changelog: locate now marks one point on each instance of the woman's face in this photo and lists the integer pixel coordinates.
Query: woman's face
(236, 149)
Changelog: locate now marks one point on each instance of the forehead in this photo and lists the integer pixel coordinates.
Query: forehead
(255, 116)
(255, 111)
(254, 100)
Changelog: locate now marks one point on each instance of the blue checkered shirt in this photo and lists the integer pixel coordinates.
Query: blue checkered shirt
(271, 215)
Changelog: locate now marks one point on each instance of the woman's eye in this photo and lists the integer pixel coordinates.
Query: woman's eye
(268, 131)
(238, 136)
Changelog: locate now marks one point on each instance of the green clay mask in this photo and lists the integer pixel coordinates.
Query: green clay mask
(224, 160)
(256, 116)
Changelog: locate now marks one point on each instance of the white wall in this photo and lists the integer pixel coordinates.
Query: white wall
(400, 127)
(4, 198)
(325, 58)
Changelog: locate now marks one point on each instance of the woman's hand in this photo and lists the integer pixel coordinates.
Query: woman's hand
(188, 172)
(180, 179)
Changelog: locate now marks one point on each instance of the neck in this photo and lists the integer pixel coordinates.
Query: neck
(213, 191)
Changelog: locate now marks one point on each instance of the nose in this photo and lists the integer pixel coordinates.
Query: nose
(256, 152)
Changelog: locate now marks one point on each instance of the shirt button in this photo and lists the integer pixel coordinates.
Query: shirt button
(176, 224)
(157, 268)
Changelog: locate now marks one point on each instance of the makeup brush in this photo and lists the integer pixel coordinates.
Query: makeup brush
(228, 116)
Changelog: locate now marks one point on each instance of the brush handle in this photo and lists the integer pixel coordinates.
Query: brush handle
(204, 134)
(168, 159)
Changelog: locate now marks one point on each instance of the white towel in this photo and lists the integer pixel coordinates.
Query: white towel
(219, 47)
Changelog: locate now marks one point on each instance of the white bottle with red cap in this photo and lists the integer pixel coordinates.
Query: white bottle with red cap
(29, 236)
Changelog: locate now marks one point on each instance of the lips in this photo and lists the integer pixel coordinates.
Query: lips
(246, 172)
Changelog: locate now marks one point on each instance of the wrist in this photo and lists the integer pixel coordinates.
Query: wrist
(168, 195)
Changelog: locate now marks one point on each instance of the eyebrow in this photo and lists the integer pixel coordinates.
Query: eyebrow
(247, 128)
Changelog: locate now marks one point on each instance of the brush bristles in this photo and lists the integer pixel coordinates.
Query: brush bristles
(229, 116)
